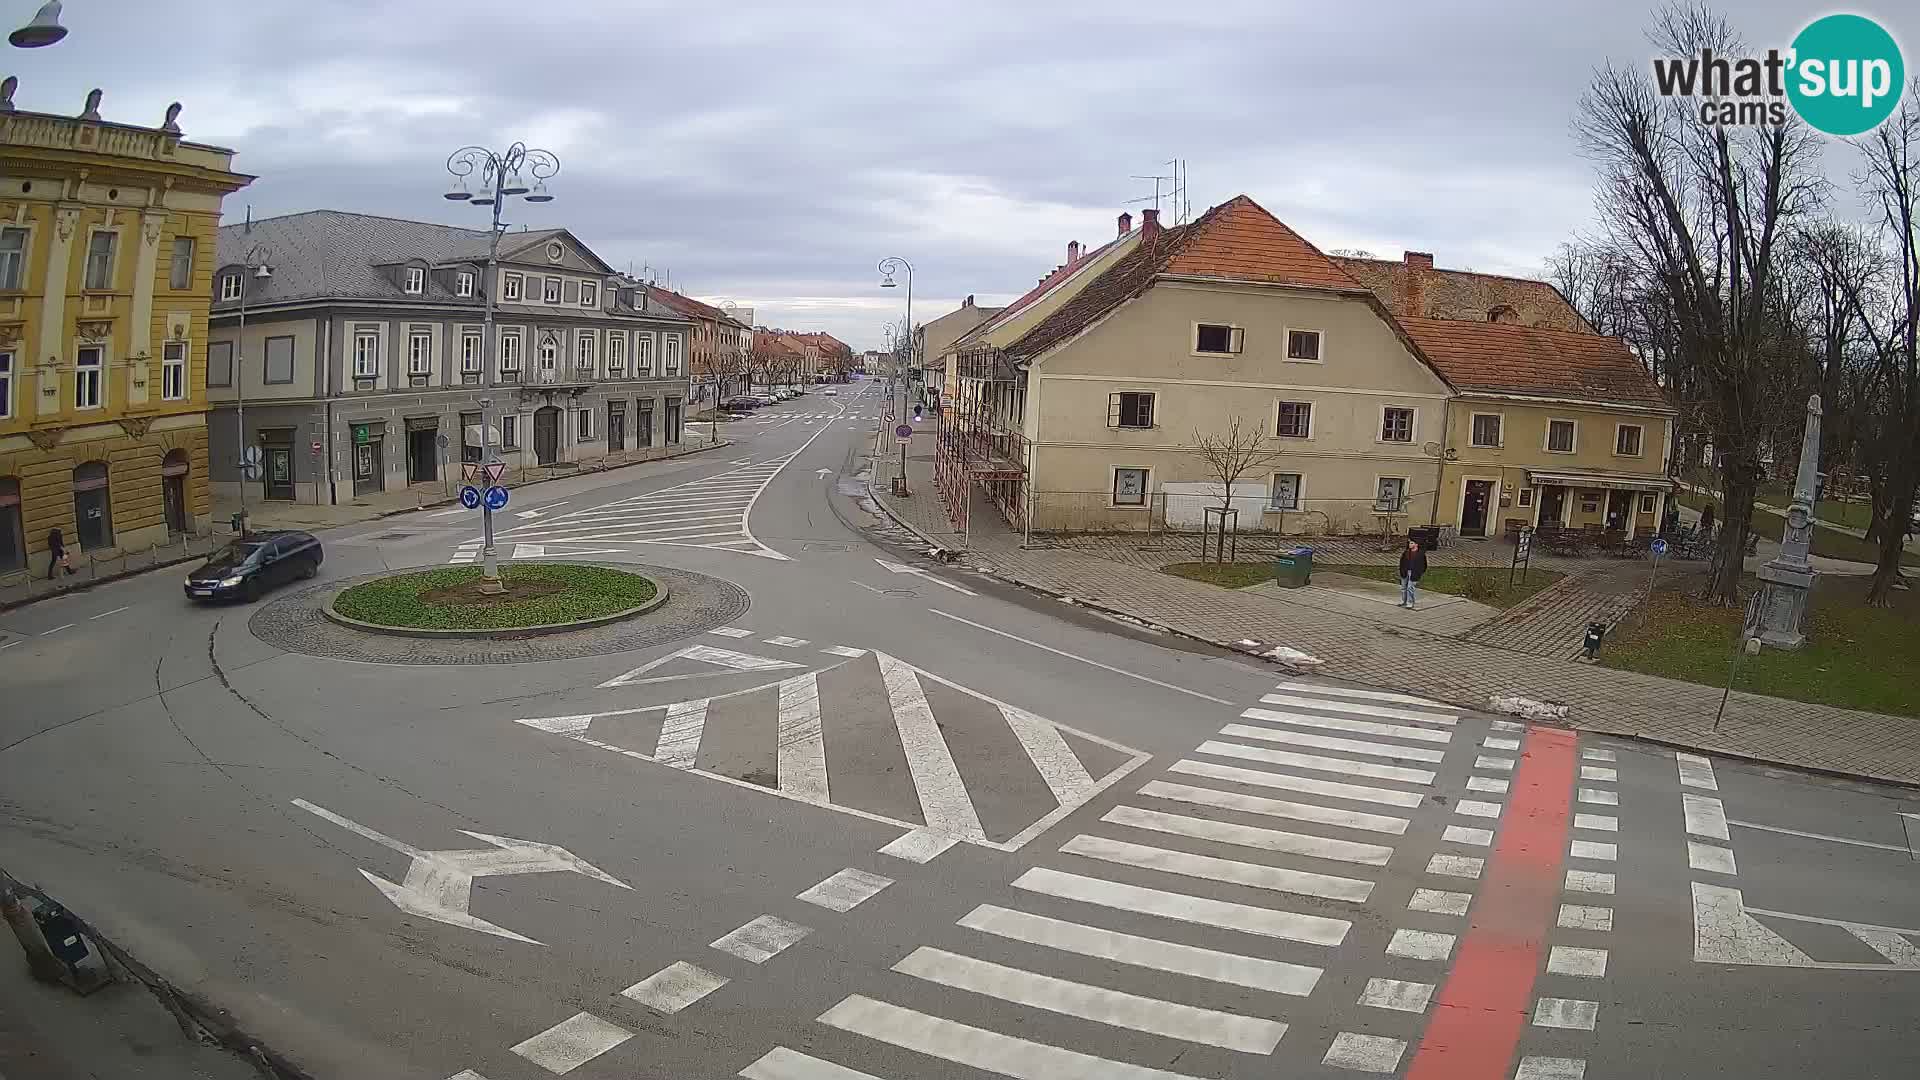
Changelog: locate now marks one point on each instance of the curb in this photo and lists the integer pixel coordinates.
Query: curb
(118, 575)
(504, 634)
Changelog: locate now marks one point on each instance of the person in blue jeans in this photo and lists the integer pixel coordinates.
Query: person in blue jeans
(1413, 567)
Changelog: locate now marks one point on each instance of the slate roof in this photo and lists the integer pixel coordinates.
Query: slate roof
(1506, 358)
(1464, 294)
(1235, 241)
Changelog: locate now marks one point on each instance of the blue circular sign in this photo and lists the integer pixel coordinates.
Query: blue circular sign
(904, 431)
(470, 497)
(496, 498)
(1659, 546)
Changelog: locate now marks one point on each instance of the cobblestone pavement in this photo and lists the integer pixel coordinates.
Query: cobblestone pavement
(1463, 672)
(695, 604)
(1553, 622)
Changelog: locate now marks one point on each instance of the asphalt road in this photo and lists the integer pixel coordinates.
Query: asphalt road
(862, 815)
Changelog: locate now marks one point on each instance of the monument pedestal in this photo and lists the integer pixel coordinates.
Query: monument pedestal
(1783, 601)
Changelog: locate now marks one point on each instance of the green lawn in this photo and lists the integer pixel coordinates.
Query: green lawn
(1488, 586)
(1856, 657)
(566, 594)
(1828, 542)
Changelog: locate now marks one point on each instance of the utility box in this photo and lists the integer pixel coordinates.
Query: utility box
(1293, 569)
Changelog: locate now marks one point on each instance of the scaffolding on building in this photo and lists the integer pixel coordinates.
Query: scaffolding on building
(980, 445)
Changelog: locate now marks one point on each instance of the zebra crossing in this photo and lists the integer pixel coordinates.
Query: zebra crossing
(866, 734)
(710, 512)
(1152, 926)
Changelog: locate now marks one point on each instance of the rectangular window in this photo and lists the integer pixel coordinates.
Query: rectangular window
(1295, 420)
(13, 258)
(463, 284)
(510, 352)
(87, 369)
(586, 423)
(416, 280)
(1215, 338)
(1130, 410)
(1560, 436)
(1129, 487)
(366, 355)
(1646, 504)
(1626, 440)
(616, 354)
(1303, 344)
(643, 355)
(512, 287)
(1285, 494)
(173, 371)
(230, 288)
(279, 367)
(470, 354)
(589, 294)
(100, 250)
(1396, 424)
(6, 385)
(1486, 429)
(1390, 495)
(419, 353)
(1526, 496)
(550, 290)
(220, 364)
(584, 352)
(509, 432)
(670, 355)
(180, 271)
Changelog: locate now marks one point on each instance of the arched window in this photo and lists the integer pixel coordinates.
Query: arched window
(92, 506)
(13, 533)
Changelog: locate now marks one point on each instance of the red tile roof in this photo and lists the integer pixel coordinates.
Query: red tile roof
(1505, 358)
(1464, 294)
(1235, 241)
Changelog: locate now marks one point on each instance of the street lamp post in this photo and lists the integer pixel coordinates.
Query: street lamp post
(44, 30)
(253, 268)
(888, 267)
(502, 176)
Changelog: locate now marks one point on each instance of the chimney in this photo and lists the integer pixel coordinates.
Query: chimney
(1149, 223)
(1419, 264)
(1073, 252)
(969, 301)
(1126, 224)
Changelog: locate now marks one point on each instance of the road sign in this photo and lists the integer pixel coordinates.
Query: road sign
(496, 498)
(250, 455)
(470, 497)
(251, 472)
(495, 470)
(440, 441)
(1659, 546)
(469, 471)
(889, 416)
(904, 431)
(439, 884)
(315, 447)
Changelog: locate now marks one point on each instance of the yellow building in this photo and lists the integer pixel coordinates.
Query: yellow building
(106, 268)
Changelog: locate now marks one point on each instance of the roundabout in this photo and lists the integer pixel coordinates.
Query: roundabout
(538, 599)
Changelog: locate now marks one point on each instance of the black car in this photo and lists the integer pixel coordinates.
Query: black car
(254, 564)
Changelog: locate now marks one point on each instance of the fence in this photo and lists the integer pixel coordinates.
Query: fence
(32, 583)
(1163, 513)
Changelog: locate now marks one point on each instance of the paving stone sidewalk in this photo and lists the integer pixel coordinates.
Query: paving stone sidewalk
(1466, 673)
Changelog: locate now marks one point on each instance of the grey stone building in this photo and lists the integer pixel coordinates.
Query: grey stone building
(363, 367)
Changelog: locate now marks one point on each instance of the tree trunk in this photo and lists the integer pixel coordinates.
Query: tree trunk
(1738, 483)
(1893, 545)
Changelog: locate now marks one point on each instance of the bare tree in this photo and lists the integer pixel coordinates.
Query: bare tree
(1230, 455)
(1705, 212)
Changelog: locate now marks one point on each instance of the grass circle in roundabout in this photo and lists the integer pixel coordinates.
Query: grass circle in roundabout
(538, 597)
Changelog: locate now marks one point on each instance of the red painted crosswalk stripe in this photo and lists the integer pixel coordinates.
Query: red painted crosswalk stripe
(1482, 1008)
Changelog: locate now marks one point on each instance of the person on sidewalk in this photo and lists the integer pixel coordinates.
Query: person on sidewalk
(1706, 521)
(57, 557)
(1413, 567)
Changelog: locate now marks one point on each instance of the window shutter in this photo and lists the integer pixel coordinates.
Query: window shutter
(1236, 339)
(1113, 410)
(1146, 410)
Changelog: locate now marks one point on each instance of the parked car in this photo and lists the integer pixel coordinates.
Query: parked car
(257, 562)
(741, 403)
(831, 392)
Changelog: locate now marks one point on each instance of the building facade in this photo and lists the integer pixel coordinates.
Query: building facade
(106, 254)
(363, 366)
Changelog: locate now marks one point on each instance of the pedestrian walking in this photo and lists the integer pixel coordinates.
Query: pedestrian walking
(57, 557)
(1413, 567)
(1706, 520)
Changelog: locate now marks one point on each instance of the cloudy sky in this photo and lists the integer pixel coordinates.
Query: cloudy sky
(772, 153)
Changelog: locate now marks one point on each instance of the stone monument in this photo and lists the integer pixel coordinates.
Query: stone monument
(1787, 579)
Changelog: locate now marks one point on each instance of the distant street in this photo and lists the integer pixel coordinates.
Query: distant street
(848, 813)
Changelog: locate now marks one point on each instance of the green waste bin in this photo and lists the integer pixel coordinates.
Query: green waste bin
(1293, 568)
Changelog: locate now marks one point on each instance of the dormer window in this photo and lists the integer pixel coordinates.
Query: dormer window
(416, 281)
(589, 294)
(230, 287)
(463, 283)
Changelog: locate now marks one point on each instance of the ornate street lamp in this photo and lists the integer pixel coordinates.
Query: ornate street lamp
(501, 175)
(256, 269)
(44, 30)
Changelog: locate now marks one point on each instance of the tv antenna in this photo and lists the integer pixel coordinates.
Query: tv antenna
(1169, 188)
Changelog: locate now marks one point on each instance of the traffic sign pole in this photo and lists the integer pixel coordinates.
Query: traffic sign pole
(490, 583)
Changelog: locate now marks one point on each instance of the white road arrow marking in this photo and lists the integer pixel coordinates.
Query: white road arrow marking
(439, 884)
(538, 511)
(822, 472)
(899, 568)
(450, 513)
